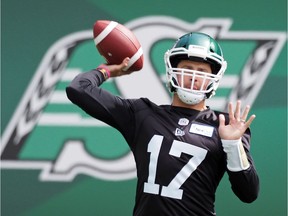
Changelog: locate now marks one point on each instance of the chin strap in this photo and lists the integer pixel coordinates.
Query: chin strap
(236, 155)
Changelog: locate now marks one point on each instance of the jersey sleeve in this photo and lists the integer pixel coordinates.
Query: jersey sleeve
(245, 183)
(84, 91)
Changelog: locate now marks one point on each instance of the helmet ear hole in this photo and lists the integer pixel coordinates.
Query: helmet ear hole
(215, 67)
(172, 88)
(211, 93)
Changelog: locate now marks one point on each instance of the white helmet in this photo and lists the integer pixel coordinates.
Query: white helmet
(195, 47)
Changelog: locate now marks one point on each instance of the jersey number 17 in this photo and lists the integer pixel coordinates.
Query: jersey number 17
(173, 189)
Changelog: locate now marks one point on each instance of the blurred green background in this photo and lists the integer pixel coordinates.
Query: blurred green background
(29, 28)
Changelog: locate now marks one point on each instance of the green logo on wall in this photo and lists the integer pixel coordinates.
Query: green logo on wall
(49, 133)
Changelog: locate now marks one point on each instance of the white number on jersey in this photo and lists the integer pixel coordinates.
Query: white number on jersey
(173, 189)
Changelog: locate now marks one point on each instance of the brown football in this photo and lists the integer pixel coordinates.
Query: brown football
(115, 42)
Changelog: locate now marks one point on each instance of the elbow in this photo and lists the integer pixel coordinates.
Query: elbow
(245, 184)
(250, 195)
(251, 198)
(71, 94)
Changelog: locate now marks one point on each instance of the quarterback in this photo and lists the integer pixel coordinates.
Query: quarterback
(181, 150)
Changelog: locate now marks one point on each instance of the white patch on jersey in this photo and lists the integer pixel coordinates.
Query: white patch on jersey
(179, 132)
(202, 130)
(183, 121)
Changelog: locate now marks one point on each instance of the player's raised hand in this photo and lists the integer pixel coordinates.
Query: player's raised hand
(237, 122)
(117, 70)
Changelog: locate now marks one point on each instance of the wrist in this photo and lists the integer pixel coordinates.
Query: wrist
(104, 70)
(236, 155)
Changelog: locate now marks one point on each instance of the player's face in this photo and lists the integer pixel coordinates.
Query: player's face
(192, 75)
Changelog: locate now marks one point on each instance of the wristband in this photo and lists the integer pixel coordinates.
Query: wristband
(236, 156)
(104, 70)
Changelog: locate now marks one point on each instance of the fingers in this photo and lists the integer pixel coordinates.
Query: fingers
(231, 112)
(125, 63)
(245, 113)
(236, 116)
(117, 70)
(221, 120)
(248, 123)
(238, 110)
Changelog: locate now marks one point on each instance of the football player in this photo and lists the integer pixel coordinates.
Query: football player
(181, 150)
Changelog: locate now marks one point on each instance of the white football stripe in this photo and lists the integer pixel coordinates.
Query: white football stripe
(105, 32)
(134, 58)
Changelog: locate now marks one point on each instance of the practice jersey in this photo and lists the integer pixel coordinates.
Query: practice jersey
(178, 152)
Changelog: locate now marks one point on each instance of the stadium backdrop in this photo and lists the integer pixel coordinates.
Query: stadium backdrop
(55, 160)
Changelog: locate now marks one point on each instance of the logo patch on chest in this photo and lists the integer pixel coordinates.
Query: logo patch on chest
(183, 121)
(202, 130)
(179, 132)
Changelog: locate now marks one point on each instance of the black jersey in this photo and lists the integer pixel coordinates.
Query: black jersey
(178, 152)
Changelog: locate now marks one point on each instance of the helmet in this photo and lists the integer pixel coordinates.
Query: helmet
(194, 46)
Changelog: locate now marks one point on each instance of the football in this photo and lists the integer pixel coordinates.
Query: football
(115, 42)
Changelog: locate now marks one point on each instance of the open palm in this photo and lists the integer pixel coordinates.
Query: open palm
(237, 122)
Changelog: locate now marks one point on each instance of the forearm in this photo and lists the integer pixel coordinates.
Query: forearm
(84, 91)
(84, 80)
(82, 86)
(245, 184)
(240, 168)
(243, 175)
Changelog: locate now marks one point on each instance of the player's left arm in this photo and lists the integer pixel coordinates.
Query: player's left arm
(245, 182)
(235, 137)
